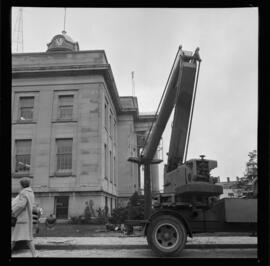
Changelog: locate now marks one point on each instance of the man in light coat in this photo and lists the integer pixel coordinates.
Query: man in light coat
(22, 207)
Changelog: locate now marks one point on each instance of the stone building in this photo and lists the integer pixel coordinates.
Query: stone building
(71, 131)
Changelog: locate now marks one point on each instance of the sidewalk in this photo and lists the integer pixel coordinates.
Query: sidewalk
(125, 242)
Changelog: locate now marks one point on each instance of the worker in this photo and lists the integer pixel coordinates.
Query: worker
(37, 212)
(50, 222)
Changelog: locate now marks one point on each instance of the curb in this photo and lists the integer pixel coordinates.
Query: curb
(194, 246)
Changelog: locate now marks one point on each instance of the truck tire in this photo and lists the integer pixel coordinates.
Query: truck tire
(166, 235)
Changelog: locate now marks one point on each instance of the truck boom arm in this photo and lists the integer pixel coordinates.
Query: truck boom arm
(179, 92)
(182, 114)
(165, 111)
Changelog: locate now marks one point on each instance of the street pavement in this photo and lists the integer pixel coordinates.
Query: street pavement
(128, 242)
(138, 253)
(136, 246)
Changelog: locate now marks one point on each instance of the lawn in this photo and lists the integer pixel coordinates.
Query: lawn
(78, 230)
(85, 230)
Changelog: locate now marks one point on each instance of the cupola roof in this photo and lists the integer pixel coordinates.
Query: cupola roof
(62, 42)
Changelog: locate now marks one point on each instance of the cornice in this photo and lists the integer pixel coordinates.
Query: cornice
(74, 69)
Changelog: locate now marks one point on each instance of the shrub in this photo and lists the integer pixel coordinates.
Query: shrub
(98, 220)
(74, 220)
(134, 210)
(119, 215)
(78, 220)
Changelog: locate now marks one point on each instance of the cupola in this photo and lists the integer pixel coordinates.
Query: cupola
(62, 42)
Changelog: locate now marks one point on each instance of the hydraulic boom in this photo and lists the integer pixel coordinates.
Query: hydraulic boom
(179, 92)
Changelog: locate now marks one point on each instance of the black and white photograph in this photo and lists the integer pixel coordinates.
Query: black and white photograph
(134, 132)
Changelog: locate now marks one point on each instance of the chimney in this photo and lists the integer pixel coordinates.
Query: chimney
(237, 178)
(228, 179)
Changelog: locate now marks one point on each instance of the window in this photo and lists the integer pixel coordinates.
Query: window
(106, 114)
(26, 108)
(111, 207)
(114, 171)
(110, 122)
(111, 128)
(106, 201)
(114, 128)
(23, 155)
(111, 168)
(105, 161)
(64, 154)
(61, 207)
(65, 107)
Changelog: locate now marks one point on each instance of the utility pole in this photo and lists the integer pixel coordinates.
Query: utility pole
(17, 39)
(65, 20)
(133, 83)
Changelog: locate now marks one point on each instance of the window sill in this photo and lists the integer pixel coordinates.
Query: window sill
(24, 122)
(22, 174)
(64, 174)
(65, 121)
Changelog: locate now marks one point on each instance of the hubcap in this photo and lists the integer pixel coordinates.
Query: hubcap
(166, 236)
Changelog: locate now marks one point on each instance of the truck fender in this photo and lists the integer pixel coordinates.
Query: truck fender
(174, 213)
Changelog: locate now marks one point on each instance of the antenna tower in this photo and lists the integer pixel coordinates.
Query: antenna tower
(18, 32)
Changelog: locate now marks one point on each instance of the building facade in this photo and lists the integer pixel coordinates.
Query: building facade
(71, 131)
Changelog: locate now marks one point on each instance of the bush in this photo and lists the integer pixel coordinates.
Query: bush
(74, 220)
(83, 220)
(119, 215)
(98, 220)
(134, 210)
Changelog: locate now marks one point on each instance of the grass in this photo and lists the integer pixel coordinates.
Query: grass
(85, 230)
(75, 230)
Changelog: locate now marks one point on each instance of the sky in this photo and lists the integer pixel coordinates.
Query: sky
(146, 40)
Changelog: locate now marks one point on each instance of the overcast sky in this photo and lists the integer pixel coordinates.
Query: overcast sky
(224, 126)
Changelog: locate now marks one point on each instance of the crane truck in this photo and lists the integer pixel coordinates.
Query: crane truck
(190, 202)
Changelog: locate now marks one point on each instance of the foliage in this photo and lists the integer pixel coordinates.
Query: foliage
(87, 213)
(119, 215)
(99, 220)
(78, 219)
(245, 183)
(102, 212)
(251, 166)
(134, 210)
(82, 220)
(136, 207)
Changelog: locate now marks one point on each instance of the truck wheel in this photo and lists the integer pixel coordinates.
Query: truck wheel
(166, 235)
